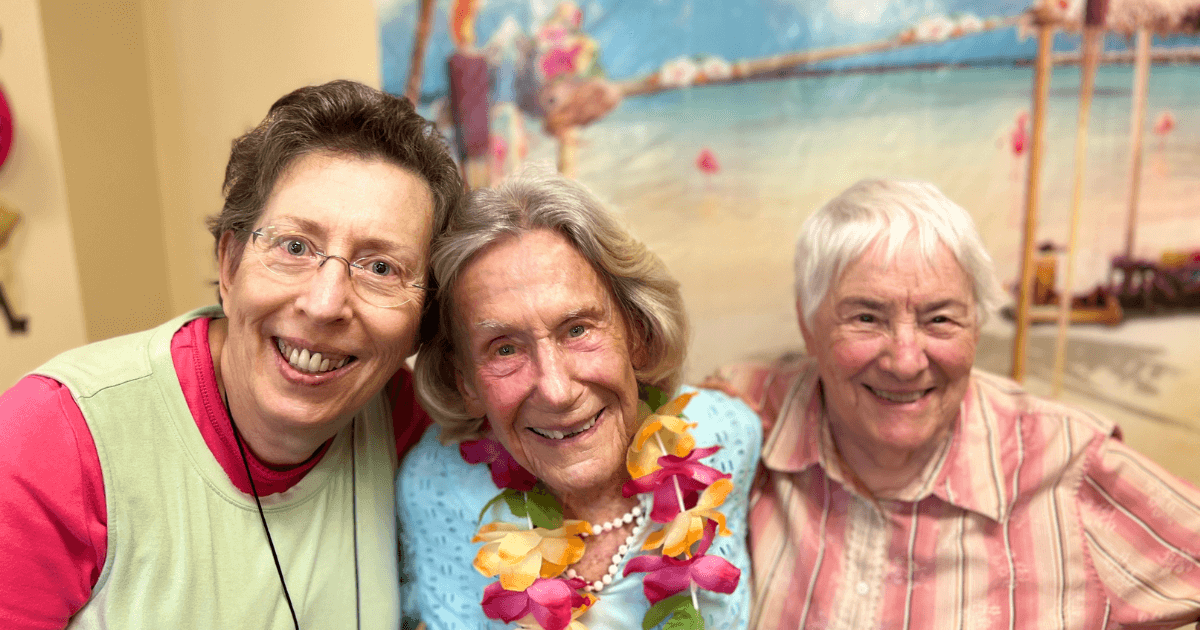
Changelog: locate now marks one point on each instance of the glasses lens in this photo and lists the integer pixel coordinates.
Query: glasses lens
(285, 253)
(382, 281)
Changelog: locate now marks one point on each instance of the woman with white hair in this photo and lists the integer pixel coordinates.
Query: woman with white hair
(903, 488)
(561, 340)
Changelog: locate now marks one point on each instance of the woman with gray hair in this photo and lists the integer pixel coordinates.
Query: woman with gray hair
(902, 487)
(560, 335)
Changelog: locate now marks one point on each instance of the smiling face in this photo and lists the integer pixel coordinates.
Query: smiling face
(544, 353)
(894, 346)
(285, 399)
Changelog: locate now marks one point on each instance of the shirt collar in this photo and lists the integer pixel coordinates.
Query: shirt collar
(961, 474)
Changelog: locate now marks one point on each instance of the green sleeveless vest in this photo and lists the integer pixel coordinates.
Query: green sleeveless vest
(186, 549)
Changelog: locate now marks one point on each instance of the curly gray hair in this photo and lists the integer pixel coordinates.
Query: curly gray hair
(648, 296)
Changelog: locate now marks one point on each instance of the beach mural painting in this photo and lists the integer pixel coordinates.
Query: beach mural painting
(716, 127)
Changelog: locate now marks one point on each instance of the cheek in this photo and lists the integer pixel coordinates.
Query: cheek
(396, 338)
(852, 355)
(954, 358)
(502, 394)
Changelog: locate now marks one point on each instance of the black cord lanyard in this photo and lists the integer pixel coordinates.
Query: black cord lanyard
(237, 437)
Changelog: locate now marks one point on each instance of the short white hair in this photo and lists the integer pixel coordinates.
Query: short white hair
(842, 230)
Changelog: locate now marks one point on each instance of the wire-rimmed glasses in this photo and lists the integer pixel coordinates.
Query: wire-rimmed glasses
(379, 279)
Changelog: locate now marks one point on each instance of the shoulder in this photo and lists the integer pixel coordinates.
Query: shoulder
(728, 422)
(1013, 408)
(436, 472)
(763, 383)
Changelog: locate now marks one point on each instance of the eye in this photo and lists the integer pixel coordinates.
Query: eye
(294, 245)
(506, 350)
(939, 319)
(577, 331)
(381, 268)
(865, 318)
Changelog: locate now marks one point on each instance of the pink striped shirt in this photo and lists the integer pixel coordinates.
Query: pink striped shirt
(1033, 515)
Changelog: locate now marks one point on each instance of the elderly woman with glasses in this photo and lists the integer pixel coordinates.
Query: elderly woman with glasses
(552, 379)
(234, 467)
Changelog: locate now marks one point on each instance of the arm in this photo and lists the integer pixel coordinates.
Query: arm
(53, 521)
(763, 385)
(1141, 523)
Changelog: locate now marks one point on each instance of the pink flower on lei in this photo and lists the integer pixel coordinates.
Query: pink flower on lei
(549, 602)
(506, 472)
(693, 477)
(666, 576)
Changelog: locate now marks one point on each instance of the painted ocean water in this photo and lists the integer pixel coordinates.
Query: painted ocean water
(786, 146)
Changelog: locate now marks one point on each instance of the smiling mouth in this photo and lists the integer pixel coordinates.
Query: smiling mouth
(899, 397)
(572, 432)
(310, 362)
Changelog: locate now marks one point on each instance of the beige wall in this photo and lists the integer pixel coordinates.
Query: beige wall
(125, 111)
(38, 266)
(97, 65)
(215, 68)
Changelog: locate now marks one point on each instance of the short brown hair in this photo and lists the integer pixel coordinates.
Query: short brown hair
(340, 118)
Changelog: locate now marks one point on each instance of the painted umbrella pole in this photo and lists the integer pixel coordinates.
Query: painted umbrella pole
(1092, 39)
(417, 64)
(568, 144)
(1041, 93)
(1137, 125)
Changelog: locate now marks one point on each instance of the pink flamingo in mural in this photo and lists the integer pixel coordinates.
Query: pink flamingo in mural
(1163, 127)
(706, 161)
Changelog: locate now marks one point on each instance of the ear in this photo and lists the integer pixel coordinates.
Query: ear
(809, 344)
(472, 401)
(226, 263)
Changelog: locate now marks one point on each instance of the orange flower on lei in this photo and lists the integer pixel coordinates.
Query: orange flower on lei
(676, 538)
(520, 556)
(662, 432)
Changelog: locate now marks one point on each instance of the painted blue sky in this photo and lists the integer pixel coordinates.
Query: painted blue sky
(637, 36)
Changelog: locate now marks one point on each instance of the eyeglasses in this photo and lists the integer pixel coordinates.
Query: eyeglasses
(380, 280)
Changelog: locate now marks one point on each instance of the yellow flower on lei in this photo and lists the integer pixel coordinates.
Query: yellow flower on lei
(687, 527)
(643, 454)
(519, 556)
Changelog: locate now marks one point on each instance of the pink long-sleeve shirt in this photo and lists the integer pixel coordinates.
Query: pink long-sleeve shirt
(53, 522)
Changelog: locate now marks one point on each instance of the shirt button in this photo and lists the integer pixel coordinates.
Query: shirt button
(863, 588)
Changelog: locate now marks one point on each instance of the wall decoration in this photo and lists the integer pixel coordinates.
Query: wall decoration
(717, 127)
(9, 218)
(6, 127)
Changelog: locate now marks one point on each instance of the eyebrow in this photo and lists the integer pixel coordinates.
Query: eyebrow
(373, 243)
(942, 304)
(874, 305)
(877, 305)
(498, 327)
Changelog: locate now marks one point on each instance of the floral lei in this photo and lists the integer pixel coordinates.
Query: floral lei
(530, 562)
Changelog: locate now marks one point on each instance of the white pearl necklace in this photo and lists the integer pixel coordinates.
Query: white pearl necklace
(636, 516)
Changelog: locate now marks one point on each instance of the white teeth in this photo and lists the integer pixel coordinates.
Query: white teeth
(558, 435)
(306, 361)
(899, 397)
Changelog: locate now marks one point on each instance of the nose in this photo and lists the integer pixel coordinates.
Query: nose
(329, 291)
(905, 356)
(556, 384)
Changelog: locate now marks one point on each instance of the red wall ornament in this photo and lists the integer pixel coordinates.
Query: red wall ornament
(6, 128)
